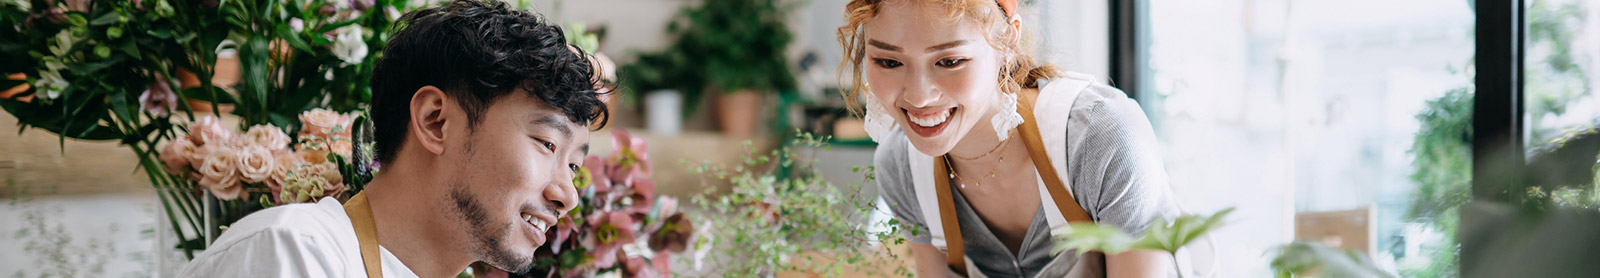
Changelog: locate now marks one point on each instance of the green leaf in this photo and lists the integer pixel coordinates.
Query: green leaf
(201, 95)
(1085, 237)
(107, 18)
(293, 38)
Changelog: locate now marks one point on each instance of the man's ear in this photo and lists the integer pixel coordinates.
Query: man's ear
(429, 118)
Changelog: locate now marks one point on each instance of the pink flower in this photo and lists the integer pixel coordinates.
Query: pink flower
(597, 173)
(267, 136)
(286, 161)
(641, 199)
(219, 173)
(631, 157)
(610, 231)
(256, 163)
(158, 99)
(175, 156)
(324, 123)
(565, 227)
(208, 130)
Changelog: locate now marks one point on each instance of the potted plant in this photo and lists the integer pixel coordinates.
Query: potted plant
(658, 79)
(734, 51)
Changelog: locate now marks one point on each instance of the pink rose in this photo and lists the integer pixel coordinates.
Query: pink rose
(342, 147)
(256, 163)
(266, 136)
(219, 172)
(322, 123)
(197, 154)
(175, 156)
(286, 161)
(313, 151)
(208, 130)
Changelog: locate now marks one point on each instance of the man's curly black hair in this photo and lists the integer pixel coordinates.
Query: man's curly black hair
(477, 51)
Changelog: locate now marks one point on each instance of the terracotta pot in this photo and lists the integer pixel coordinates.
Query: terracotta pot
(226, 75)
(739, 112)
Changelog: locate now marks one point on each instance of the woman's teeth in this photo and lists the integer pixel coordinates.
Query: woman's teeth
(538, 223)
(929, 120)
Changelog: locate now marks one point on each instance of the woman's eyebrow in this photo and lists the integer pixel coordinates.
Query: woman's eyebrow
(883, 45)
(947, 45)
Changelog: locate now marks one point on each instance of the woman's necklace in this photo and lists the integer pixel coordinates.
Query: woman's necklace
(997, 147)
(963, 181)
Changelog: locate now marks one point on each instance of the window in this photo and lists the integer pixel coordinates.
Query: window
(1289, 108)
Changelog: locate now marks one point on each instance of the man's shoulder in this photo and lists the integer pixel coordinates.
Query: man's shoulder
(280, 240)
(325, 218)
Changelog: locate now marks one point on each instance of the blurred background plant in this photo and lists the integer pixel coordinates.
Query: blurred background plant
(782, 216)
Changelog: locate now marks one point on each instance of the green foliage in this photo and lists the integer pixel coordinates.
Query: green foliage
(1162, 235)
(780, 208)
(1310, 259)
(1442, 156)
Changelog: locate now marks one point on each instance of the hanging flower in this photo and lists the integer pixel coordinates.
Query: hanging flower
(636, 267)
(640, 198)
(159, 100)
(608, 233)
(596, 169)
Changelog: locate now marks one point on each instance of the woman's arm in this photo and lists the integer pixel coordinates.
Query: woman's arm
(1138, 263)
(1121, 157)
(930, 262)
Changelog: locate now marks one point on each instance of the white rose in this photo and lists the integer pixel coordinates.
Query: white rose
(349, 45)
(256, 163)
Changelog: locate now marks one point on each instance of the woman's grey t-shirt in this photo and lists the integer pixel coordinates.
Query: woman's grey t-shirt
(1116, 173)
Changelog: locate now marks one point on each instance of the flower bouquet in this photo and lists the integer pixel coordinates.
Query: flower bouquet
(620, 227)
(267, 163)
(136, 72)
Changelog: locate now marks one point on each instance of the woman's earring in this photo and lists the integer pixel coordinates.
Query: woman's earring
(1008, 118)
(878, 122)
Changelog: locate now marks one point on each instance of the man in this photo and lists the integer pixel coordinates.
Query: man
(480, 115)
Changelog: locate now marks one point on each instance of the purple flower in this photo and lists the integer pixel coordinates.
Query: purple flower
(159, 100)
(361, 5)
(672, 234)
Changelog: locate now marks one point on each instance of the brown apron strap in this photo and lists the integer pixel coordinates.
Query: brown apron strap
(1030, 134)
(955, 250)
(366, 233)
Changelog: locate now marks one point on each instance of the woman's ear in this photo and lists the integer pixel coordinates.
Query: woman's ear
(428, 118)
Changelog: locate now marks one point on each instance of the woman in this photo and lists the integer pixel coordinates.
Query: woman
(945, 77)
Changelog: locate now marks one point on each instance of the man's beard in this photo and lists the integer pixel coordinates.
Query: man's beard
(487, 235)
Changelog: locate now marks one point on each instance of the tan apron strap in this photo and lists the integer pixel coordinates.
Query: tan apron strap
(366, 233)
(955, 251)
(1030, 134)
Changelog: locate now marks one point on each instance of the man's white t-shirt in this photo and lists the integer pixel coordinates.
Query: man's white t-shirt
(296, 240)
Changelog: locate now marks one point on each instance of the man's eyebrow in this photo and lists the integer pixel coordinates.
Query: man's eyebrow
(947, 45)
(883, 45)
(555, 122)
